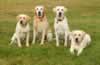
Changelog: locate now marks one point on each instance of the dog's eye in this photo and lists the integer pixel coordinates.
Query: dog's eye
(79, 35)
(74, 34)
(62, 10)
(41, 8)
(57, 9)
(23, 17)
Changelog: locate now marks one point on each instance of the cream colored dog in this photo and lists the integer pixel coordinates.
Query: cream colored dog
(40, 24)
(22, 30)
(61, 25)
(79, 40)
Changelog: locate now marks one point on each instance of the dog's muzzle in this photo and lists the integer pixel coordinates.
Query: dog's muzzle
(60, 14)
(21, 22)
(76, 40)
(39, 13)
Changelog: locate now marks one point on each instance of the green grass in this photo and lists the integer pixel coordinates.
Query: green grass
(82, 14)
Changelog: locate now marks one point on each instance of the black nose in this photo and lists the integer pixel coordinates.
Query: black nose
(39, 13)
(76, 39)
(21, 22)
(60, 14)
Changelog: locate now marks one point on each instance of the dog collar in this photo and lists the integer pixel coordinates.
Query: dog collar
(59, 20)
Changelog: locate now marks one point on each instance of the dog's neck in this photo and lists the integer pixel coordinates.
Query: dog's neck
(60, 19)
(40, 18)
(23, 25)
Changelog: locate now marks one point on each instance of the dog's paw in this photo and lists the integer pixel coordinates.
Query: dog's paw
(65, 45)
(72, 51)
(27, 45)
(19, 46)
(41, 43)
(33, 42)
(57, 45)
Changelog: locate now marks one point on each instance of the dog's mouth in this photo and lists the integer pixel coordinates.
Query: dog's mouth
(23, 23)
(39, 14)
(60, 14)
(77, 40)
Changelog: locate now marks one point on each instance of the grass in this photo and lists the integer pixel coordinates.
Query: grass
(82, 14)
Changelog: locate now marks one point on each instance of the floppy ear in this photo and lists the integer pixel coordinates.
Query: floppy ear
(44, 10)
(65, 9)
(83, 33)
(34, 10)
(54, 9)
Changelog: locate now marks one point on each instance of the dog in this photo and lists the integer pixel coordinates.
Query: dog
(22, 30)
(40, 24)
(61, 26)
(79, 41)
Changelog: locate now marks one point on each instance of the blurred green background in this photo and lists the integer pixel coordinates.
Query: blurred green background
(81, 14)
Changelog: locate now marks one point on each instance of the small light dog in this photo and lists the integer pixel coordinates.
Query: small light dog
(22, 30)
(40, 24)
(61, 24)
(79, 40)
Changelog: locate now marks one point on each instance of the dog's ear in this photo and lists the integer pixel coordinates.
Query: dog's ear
(54, 9)
(65, 9)
(83, 33)
(44, 11)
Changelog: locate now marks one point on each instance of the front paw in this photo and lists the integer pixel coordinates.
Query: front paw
(41, 43)
(72, 51)
(19, 46)
(33, 42)
(57, 45)
(65, 45)
(27, 44)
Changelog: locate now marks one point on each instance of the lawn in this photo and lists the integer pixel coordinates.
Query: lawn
(82, 14)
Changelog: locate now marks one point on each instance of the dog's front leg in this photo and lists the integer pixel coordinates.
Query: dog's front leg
(27, 39)
(65, 37)
(72, 47)
(19, 41)
(34, 37)
(82, 46)
(43, 36)
(57, 39)
(79, 51)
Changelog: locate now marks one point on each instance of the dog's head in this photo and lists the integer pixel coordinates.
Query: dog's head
(78, 35)
(39, 11)
(59, 11)
(23, 19)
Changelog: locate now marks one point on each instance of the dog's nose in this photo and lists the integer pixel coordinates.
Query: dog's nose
(76, 39)
(21, 22)
(39, 13)
(60, 14)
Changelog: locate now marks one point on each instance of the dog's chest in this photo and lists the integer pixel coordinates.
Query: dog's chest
(41, 26)
(76, 46)
(24, 30)
(60, 27)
